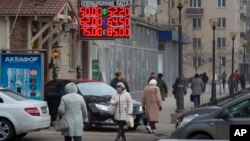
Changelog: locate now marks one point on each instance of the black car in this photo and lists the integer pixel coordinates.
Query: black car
(97, 96)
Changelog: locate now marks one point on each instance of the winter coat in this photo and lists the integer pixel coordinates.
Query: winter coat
(114, 82)
(73, 108)
(197, 86)
(163, 88)
(124, 105)
(151, 100)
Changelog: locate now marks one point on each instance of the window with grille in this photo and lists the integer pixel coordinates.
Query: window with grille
(195, 3)
(196, 42)
(197, 61)
(196, 22)
(222, 23)
(221, 3)
(221, 42)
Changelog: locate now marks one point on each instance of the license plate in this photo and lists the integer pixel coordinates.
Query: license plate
(44, 110)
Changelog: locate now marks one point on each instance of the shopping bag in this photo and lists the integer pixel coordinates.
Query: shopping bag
(130, 121)
(192, 98)
(112, 109)
(61, 124)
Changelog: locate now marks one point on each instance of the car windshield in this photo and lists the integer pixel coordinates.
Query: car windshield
(13, 95)
(95, 89)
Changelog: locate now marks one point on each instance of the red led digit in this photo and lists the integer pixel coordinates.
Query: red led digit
(99, 11)
(127, 31)
(121, 32)
(122, 11)
(81, 22)
(109, 31)
(127, 22)
(110, 12)
(115, 32)
(127, 11)
(99, 31)
(121, 22)
(109, 21)
(81, 12)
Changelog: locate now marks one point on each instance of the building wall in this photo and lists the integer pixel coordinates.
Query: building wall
(19, 36)
(233, 23)
(3, 40)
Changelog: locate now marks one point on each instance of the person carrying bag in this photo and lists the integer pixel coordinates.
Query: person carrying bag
(73, 108)
(124, 108)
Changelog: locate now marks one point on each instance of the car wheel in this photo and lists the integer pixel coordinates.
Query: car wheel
(88, 125)
(21, 135)
(6, 130)
(201, 136)
(133, 128)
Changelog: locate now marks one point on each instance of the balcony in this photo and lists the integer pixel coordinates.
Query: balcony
(195, 11)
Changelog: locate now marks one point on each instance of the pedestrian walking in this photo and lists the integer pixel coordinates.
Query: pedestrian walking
(118, 78)
(197, 87)
(151, 102)
(232, 83)
(162, 85)
(242, 81)
(205, 79)
(175, 88)
(224, 79)
(124, 106)
(152, 76)
(237, 79)
(73, 108)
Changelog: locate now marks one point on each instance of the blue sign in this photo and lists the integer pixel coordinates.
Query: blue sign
(23, 73)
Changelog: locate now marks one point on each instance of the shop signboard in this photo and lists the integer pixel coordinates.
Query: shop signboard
(23, 73)
(95, 69)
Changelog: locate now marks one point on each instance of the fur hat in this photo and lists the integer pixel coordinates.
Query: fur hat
(153, 82)
(121, 85)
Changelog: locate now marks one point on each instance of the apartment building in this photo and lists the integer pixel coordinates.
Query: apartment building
(197, 55)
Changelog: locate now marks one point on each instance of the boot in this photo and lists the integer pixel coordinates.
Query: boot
(119, 134)
(123, 136)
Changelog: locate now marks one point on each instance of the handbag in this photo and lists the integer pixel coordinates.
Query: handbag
(145, 118)
(61, 124)
(112, 109)
(192, 98)
(130, 121)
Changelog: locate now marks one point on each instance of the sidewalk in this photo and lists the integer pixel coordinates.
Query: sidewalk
(165, 127)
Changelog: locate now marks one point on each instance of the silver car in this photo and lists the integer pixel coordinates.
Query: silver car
(213, 122)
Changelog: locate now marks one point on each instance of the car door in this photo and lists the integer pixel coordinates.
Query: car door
(238, 114)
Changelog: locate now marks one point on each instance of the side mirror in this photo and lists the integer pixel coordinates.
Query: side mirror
(1, 100)
(224, 114)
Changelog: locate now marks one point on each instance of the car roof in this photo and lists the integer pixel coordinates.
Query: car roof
(74, 80)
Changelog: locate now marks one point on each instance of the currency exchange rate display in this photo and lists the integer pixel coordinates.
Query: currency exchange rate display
(104, 19)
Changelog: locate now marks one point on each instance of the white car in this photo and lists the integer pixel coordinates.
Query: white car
(20, 115)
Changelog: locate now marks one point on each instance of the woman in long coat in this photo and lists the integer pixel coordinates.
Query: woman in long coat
(151, 102)
(73, 108)
(197, 87)
(124, 106)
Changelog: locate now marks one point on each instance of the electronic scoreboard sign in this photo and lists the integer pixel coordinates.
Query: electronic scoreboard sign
(104, 19)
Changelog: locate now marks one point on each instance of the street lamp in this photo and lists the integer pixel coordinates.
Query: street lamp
(214, 23)
(233, 36)
(244, 43)
(180, 84)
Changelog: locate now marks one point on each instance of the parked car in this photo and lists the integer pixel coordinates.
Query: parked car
(213, 122)
(20, 115)
(97, 96)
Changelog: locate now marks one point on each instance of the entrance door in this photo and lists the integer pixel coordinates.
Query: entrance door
(85, 60)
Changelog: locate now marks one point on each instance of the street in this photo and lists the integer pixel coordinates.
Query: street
(101, 134)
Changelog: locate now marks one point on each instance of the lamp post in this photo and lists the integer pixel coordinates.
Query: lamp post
(233, 36)
(214, 23)
(180, 83)
(244, 43)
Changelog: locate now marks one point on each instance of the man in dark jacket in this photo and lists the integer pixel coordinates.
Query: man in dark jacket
(205, 79)
(162, 85)
(118, 78)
